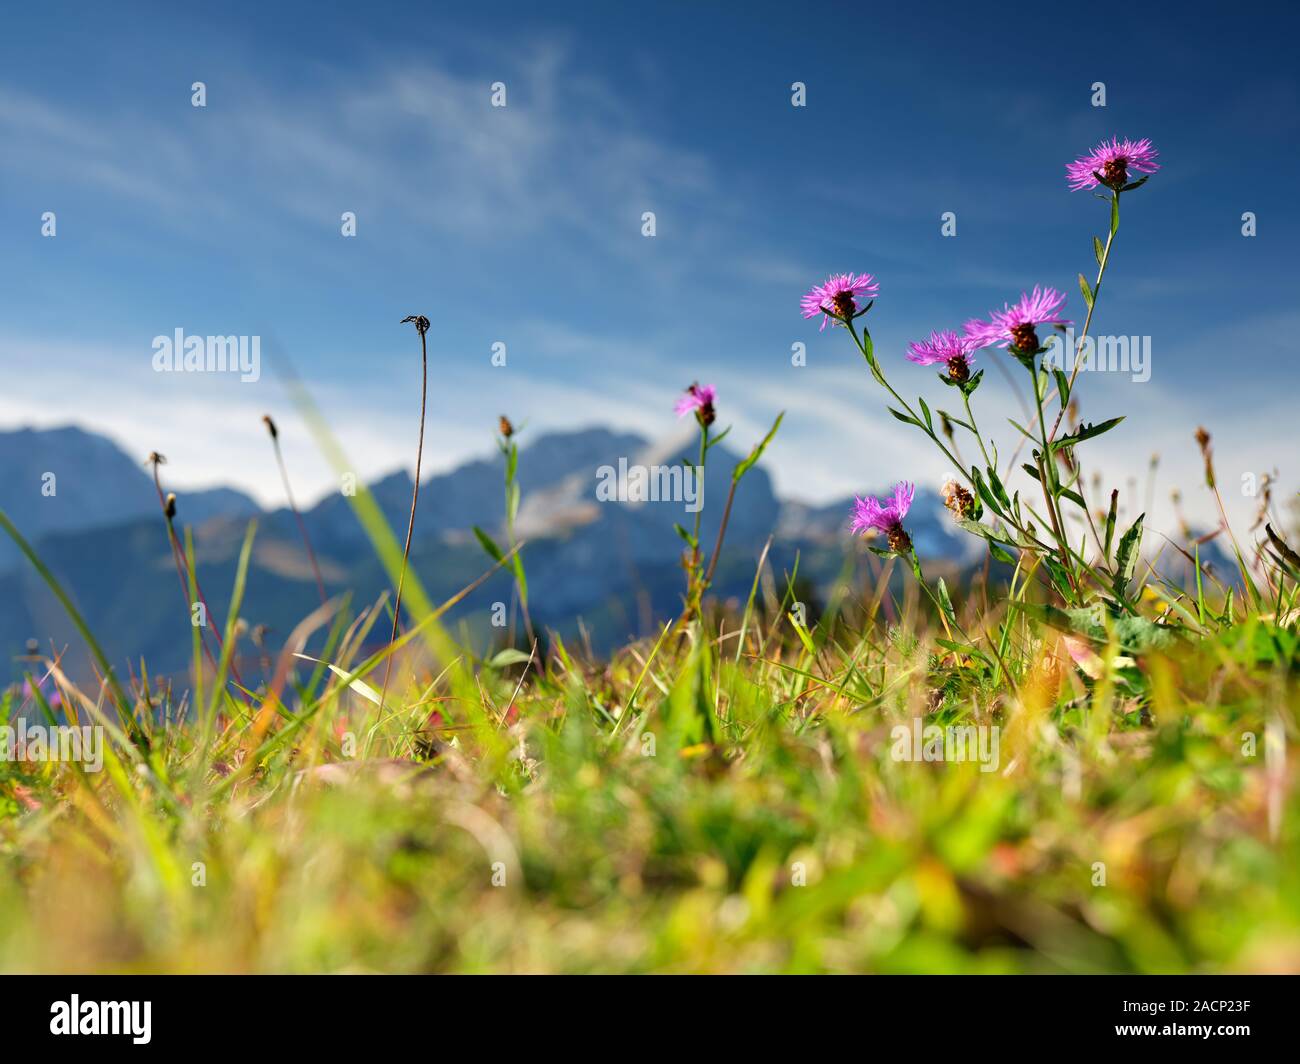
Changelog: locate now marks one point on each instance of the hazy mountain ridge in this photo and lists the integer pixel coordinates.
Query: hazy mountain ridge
(68, 480)
(618, 561)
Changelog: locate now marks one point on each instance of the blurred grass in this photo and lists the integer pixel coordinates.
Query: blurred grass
(720, 802)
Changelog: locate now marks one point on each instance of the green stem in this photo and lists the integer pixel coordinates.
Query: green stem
(970, 414)
(693, 589)
(1096, 290)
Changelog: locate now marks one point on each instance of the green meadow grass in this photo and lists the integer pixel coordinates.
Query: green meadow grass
(721, 798)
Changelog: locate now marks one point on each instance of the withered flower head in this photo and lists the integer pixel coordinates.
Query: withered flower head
(170, 508)
(1203, 441)
(155, 459)
(945, 423)
(270, 426)
(960, 501)
(420, 322)
(507, 429)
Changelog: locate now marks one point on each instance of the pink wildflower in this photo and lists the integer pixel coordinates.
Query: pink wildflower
(836, 298)
(887, 517)
(944, 347)
(699, 401)
(1015, 324)
(1110, 164)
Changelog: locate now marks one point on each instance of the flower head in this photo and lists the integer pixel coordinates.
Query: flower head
(836, 298)
(887, 516)
(1110, 164)
(957, 498)
(1016, 324)
(944, 347)
(52, 696)
(698, 400)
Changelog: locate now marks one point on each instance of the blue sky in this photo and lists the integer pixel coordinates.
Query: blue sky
(522, 224)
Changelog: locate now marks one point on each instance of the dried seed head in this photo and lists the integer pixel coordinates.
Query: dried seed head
(945, 423)
(960, 501)
(420, 322)
(170, 508)
(1203, 441)
(155, 459)
(270, 426)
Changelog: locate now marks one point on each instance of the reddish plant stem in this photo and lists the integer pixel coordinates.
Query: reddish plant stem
(422, 326)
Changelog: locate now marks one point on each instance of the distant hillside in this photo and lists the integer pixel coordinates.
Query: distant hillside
(70, 480)
(615, 564)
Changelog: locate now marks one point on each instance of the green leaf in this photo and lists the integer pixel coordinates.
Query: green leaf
(494, 552)
(689, 539)
(1087, 292)
(517, 563)
(803, 635)
(1059, 576)
(956, 420)
(1281, 547)
(744, 467)
(509, 656)
(996, 484)
(1058, 491)
(1098, 250)
(1086, 432)
(925, 410)
(1126, 557)
(1062, 385)
(512, 501)
(1020, 428)
(906, 419)
(941, 590)
(999, 554)
(964, 648)
(983, 489)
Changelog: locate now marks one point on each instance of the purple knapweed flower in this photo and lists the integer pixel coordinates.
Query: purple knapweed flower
(1110, 163)
(1016, 324)
(699, 401)
(887, 517)
(52, 696)
(948, 348)
(836, 298)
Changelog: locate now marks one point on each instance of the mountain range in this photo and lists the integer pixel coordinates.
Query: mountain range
(614, 565)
